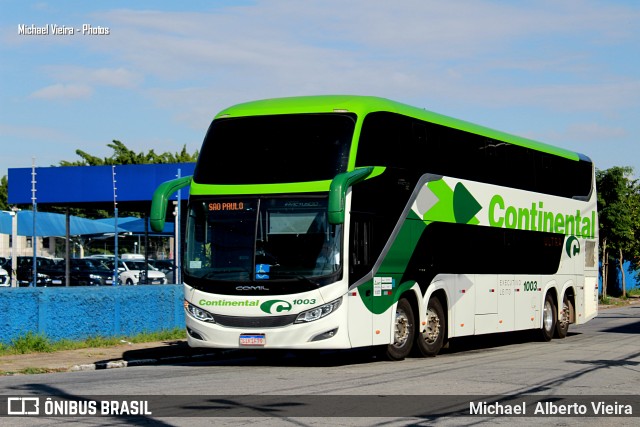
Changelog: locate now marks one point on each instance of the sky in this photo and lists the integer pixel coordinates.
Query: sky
(153, 74)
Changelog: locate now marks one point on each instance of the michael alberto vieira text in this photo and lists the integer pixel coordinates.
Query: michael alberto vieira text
(550, 408)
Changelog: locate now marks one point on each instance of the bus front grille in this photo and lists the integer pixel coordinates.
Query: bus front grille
(255, 322)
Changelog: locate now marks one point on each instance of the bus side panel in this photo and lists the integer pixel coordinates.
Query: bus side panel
(464, 304)
(588, 293)
(506, 303)
(528, 300)
(486, 319)
(360, 321)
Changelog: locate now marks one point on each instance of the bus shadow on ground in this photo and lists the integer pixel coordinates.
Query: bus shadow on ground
(491, 341)
(183, 355)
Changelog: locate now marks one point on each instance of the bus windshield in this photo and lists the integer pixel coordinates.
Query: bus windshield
(261, 240)
(275, 149)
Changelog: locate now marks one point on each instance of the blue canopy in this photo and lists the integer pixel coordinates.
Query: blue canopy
(54, 224)
(135, 225)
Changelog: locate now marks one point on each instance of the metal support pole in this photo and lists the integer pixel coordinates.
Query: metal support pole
(178, 252)
(14, 247)
(115, 222)
(34, 241)
(67, 261)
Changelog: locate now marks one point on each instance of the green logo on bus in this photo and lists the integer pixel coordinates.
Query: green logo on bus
(447, 205)
(465, 206)
(275, 306)
(572, 246)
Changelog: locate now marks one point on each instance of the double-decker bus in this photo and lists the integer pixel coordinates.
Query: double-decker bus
(333, 222)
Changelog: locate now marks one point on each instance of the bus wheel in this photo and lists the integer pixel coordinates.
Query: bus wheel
(404, 331)
(562, 327)
(548, 319)
(431, 339)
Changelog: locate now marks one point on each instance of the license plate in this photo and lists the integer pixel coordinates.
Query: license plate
(109, 282)
(56, 282)
(253, 339)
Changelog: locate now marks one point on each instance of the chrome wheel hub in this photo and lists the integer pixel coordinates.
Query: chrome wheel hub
(547, 316)
(432, 330)
(402, 331)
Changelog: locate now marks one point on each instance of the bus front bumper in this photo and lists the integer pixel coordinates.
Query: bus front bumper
(325, 333)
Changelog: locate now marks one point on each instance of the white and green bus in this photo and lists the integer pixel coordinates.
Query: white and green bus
(334, 222)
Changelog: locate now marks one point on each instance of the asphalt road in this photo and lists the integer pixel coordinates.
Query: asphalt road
(599, 361)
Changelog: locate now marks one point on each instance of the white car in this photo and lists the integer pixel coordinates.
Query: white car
(4, 278)
(132, 270)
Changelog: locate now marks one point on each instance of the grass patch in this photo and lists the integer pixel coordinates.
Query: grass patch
(31, 371)
(605, 300)
(31, 343)
(38, 343)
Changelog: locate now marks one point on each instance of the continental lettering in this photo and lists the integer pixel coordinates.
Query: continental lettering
(227, 303)
(536, 218)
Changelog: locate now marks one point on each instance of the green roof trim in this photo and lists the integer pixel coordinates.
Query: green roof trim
(294, 187)
(232, 190)
(362, 105)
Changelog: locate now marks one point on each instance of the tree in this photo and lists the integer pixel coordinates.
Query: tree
(618, 209)
(124, 156)
(4, 193)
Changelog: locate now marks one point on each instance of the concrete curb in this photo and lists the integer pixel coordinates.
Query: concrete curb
(141, 362)
(112, 365)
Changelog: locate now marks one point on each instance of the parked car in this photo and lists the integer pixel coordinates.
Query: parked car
(132, 272)
(45, 267)
(163, 265)
(5, 280)
(167, 266)
(83, 272)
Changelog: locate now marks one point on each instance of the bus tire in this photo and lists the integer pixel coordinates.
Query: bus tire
(549, 319)
(564, 318)
(404, 331)
(430, 341)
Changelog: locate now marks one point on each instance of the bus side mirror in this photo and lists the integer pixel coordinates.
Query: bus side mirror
(338, 192)
(161, 199)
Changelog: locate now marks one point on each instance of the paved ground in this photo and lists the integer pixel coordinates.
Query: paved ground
(121, 356)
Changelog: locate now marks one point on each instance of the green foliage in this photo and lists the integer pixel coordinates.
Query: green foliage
(31, 343)
(124, 156)
(618, 206)
(619, 200)
(4, 193)
(38, 343)
(619, 216)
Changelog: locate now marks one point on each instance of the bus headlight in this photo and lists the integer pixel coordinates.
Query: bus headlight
(198, 313)
(318, 312)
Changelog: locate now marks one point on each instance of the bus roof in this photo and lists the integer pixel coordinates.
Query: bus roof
(362, 105)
